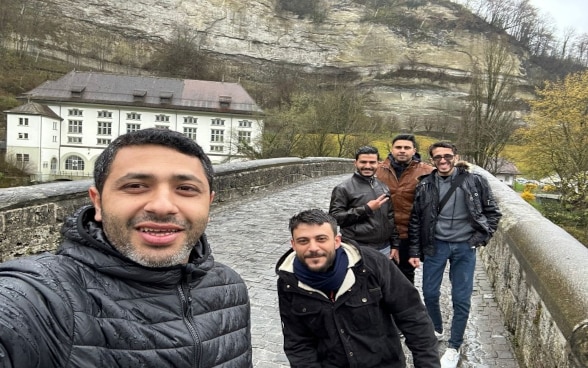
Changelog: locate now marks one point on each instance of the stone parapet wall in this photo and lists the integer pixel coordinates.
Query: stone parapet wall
(540, 280)
(31, 216)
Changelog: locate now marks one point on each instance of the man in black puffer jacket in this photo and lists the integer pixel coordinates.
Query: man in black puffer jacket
(134, 283)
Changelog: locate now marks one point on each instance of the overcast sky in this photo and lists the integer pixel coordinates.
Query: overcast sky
(566, 13)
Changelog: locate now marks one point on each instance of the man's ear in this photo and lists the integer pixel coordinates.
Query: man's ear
(212, 193)
(95, 198)
(337, 241)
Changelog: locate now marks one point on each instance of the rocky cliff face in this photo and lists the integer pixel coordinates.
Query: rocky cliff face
(413, 71)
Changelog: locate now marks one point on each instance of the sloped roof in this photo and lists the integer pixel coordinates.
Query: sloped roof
(117, 89)
(34, 108)
(506, 167)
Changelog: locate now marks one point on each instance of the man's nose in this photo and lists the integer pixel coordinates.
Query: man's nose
(161, 202)
(313, 246)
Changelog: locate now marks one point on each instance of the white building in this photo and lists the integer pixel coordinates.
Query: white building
(66, 123)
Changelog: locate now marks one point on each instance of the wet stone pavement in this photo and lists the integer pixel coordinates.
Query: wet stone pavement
(252, 233)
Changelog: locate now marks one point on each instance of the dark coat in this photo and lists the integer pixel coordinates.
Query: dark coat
(357, 329)
(88, 306)
(483, 211)
(358, 223)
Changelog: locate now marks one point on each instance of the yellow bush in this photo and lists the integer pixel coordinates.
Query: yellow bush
(530, 187)
(549, 188)
(528, 196)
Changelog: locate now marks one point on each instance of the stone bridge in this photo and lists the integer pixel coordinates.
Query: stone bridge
(532, 267)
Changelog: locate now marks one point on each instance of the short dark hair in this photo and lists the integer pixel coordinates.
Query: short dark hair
(314, 217)
(367, 150)
(160, 137)
(405, 137)
(442, 144)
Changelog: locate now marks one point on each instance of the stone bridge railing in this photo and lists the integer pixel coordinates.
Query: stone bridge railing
(539, 272)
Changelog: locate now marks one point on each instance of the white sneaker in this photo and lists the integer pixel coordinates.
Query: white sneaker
(439, 335)
(450, 358)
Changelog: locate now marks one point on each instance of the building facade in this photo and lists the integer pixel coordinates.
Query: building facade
(65, 124)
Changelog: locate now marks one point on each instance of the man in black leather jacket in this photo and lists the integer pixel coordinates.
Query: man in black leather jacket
(450, 232)
(134, 283)
(338, 302)
(362, 207)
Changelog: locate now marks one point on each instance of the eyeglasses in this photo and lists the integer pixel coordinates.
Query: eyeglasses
(447, 157)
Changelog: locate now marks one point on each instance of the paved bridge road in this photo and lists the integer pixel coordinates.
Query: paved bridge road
(252, 233)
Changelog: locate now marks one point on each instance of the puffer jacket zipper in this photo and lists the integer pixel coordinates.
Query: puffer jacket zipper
(186, 302)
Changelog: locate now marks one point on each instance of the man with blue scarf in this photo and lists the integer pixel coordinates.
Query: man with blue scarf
(338, 302)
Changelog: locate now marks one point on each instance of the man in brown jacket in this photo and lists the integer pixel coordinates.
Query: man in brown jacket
(400, 172)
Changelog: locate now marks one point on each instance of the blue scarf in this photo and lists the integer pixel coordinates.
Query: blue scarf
(327, 281)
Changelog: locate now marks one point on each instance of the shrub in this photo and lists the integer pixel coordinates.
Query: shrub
(528, 195)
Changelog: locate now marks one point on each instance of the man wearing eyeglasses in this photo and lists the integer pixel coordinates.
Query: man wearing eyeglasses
(454, 213)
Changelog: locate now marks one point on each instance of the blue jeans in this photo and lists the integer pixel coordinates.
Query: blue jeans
(462, 264)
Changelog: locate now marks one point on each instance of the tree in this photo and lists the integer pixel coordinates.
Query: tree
(557, 136)
(181, 56)
(488, 120)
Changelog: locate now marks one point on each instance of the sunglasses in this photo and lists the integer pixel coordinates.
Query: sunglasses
(447, 157)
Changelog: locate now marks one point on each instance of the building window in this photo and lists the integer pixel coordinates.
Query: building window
(23, 135)
(217, 135)
(133, 127)
(218, 121)
(217, 148)
(74, 126)
(74, 163)
(103, 141)
(161, 127)
(190, 120)
(53, 165)
(190, 133)
(133, 116)
(162, 118)
(105, 114)
(245, 123)
(74, 139)
(75, 112)
(104, 128)
(45, 165)
(23, 121)
(244, 137)
(54, 139)
(22, 157)
(54, 125)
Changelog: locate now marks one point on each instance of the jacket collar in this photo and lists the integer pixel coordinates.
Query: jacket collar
(286, 264)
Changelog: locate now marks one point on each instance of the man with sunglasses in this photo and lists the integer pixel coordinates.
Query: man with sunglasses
(454, 213)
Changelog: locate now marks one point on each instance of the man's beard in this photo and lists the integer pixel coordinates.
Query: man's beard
(119, 237)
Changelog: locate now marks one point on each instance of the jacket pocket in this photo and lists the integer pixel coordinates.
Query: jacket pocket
(363, 310)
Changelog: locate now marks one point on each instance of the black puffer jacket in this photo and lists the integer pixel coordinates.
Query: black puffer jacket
(88, 306)
(358, 223)
(483, 210)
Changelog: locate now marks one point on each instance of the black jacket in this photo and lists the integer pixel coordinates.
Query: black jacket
(356, 330)
(88, 306)
(483, 210)
(357, 222)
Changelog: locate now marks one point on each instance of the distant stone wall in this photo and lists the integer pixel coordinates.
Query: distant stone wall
(540, 278)
(31, 216)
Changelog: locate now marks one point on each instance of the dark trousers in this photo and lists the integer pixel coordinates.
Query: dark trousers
(403, 264)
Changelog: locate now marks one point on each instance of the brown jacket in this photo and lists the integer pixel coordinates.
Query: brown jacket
(402, 191)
